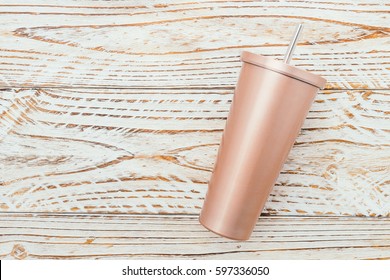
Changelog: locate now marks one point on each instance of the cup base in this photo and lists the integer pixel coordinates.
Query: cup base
(220, 233)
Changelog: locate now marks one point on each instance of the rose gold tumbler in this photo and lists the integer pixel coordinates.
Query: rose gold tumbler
(270, 104)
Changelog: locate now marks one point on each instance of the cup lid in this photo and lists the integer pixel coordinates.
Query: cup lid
(283, 68)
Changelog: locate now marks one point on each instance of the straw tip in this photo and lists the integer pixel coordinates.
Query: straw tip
(293, 42)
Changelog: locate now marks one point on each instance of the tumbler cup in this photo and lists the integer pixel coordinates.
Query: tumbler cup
(270, 104)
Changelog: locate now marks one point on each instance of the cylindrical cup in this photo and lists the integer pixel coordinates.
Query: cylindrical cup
(270, 104)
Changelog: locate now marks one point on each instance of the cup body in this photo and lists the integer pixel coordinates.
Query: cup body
(270, 104)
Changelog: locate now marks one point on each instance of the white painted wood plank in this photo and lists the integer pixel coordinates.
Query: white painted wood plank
(171, 43)
(152, 151)
(26, 236)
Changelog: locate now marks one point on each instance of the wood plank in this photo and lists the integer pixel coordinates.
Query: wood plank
(171, 43)
(152, 151)
(26, 236)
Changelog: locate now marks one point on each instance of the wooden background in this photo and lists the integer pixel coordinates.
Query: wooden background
(111, 113)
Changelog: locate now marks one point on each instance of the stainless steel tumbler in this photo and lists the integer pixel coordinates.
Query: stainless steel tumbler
(270, 104)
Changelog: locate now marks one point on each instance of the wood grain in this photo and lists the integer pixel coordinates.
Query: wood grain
(181, 44)
(47, 236)
(152, 151)
(111, 107)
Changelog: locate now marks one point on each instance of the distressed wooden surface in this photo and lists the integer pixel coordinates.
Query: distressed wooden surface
(111, 113)
(176, 43)
(152, 151)
(180, 236)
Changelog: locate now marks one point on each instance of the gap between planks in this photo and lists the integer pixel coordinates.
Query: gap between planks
(152, 88)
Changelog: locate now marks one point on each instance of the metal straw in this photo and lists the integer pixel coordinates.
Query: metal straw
(293, 43)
